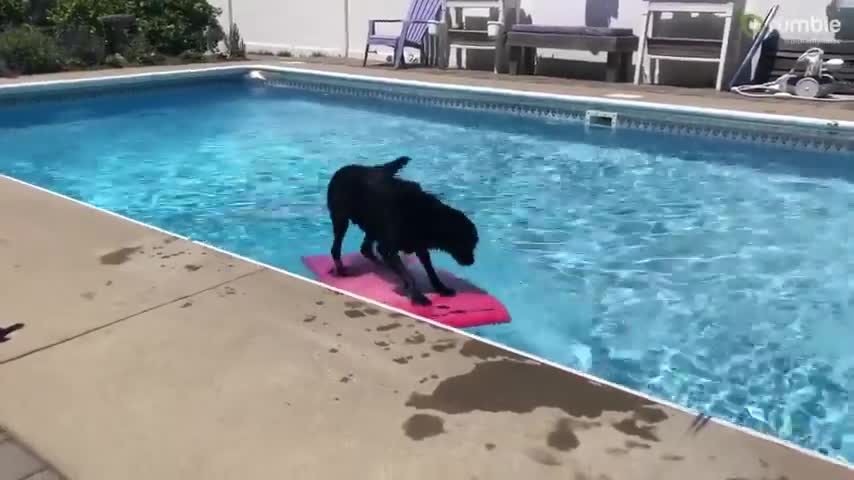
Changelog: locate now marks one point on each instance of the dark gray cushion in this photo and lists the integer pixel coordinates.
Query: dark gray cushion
(563, 30)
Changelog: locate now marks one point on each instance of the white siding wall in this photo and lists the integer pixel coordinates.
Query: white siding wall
(305, 26)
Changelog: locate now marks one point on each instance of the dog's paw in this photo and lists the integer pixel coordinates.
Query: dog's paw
(339, 272)
(421, 300)
(446, 292)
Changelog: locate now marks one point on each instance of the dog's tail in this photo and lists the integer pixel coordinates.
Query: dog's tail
(393, 167)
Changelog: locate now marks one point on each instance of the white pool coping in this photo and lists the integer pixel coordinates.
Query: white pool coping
(831, 126)
(62, 84)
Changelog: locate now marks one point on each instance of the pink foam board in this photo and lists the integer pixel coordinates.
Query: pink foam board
(470, 307)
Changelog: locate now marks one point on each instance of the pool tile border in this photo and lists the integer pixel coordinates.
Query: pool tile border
(40, 92)
(641, 119)
(788, 132)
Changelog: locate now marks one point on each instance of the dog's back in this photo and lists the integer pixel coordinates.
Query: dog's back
(357, 190)
(399, 211)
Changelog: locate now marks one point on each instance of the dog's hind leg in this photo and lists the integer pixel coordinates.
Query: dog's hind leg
(393, 261)
(368, 249)
(340, 224)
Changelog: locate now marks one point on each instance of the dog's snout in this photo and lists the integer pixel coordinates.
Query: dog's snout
(466, 260)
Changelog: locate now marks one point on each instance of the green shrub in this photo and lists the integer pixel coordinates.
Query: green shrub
(18, 12)
(139, 49)
(39, 11)
(85, 14)
(191, 56)
(81, 46)
(12, 12)
(175, 26)
(171, 26)
(117, 30)
(213, 36)
(29, 51)
(154, 59)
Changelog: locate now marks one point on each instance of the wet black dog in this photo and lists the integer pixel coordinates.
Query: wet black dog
(397, 216)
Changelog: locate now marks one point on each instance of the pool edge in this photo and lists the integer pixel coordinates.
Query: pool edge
(801, 133)
(833, 126)
(613, 102)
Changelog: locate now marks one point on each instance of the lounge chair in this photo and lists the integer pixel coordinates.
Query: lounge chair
(413, 31)
(619, 43)
(654, 48)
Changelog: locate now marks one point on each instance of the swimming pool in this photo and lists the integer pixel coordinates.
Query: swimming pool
(711, 273)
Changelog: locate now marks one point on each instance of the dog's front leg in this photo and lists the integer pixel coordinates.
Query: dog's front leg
(441, 289)
(393, 261)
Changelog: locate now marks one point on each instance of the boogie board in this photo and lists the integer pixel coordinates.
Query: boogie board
(470, 307)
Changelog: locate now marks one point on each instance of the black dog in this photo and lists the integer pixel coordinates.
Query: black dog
(398, 216)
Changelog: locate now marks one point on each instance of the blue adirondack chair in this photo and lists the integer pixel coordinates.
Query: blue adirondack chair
(413, 30)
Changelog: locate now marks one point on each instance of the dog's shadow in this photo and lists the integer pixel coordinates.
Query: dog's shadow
(358, 265)
(5, 332)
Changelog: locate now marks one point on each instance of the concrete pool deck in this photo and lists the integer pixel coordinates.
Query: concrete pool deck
(148, 356)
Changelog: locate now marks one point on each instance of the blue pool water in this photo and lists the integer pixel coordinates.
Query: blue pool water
(714, 275)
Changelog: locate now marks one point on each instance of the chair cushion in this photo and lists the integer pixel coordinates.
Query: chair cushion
(391, 41)
(383, 39)
(564, 30)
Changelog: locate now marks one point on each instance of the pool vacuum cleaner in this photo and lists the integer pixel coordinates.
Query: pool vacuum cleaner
(814, 83)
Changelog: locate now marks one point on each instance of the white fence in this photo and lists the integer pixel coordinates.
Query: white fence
(321, 26)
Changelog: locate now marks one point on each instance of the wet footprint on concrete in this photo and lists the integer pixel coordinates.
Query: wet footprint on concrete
(421, 426)
(443, 345)
(562, 437)
(416, 339)
(120, 256)
(386, 328)
(402, 360)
